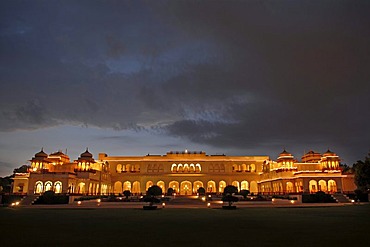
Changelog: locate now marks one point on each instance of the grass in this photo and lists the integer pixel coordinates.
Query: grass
(326, 226)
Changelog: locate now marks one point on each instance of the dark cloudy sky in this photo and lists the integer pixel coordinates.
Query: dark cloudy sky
(138, 77)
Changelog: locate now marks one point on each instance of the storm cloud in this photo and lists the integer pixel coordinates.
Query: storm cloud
(228, 74)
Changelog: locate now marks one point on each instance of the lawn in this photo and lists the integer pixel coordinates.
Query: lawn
(330, 226)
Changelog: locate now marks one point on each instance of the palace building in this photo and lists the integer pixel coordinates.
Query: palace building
(185, 172)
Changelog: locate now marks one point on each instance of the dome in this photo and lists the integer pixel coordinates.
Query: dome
(329, 153)
(285, 153)
(86, 154)
(41, 154)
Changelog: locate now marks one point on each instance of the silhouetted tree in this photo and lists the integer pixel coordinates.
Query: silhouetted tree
(127, 193)
(151, 194)
(362, 174)
(170, 192)
(201, 191)
(228, 195)
(22, 169)
(244, 193)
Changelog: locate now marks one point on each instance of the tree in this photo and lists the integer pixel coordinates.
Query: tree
(127, 193)
(244, 193)
(201, 191)
(22, 169)
(346, 168)
(151, 194)
(228, 195)
(362, 174)
(170, 192)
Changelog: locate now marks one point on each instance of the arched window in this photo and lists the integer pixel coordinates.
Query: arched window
(119, 168)
(197, 185)
(192, 168)
(58, 187)
(174, 185)
(216, 168)
(198, 168)
(162, 186)
(39, 187)
(210, 168)
(244, 167)
(160, 168)
(252, 167)
(180, 168)
(48, 185)
(222, 168)
(313, 186)
(150, 169)
(173, 168)
(186, 168)
(289, 187)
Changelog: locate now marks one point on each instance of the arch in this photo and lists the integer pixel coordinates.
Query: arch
(244, 185)
(119, 168)
(180, 168)
(186, 188)
(289, 187)
(173, 168)
(48, 186)
(197, 185)
(160, 168)
(117, 188)
(198, 168)
(236, 184)
(162, 185)
(235, 168)
(210, 168)
(192, 168)
(322, 186)
(222, 168)
(136, 187)
(58, 187)
(149, 168)
(136, 168)
(81, 188)
(39, 187)
(211, 186)
(148, 185)
(186, 168)
(127, 185)
(252, 167)
(217, 168)
(174, 185)
(244, 167)
(332, 186)
(221, 186)
(313, 186)
(253, 187)
(128, 167)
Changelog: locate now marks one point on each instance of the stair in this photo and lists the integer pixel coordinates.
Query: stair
(28, 200)
(341, 198)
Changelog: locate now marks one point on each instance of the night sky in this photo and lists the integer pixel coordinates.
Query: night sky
(139, 77)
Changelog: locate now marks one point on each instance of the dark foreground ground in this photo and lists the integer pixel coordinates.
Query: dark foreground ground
(325, 226)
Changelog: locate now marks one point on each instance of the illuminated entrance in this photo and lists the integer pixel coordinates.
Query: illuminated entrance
(186, 188)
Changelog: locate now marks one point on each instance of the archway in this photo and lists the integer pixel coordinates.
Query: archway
(148, 185)
(332, 186)
(289, 187)
(211, 186)
(185, 188)
(254, 187)
(117, 187)
(127, 186)
(221, 186)
(136, 187)
(174, 185)
(81, 188)
(197, 185)
(119, 168)
(313, 186)
(162, 186)
(322, 186)
(236, 184)
(244, 185)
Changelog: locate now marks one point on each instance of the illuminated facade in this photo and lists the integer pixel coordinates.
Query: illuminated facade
(185, 172)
